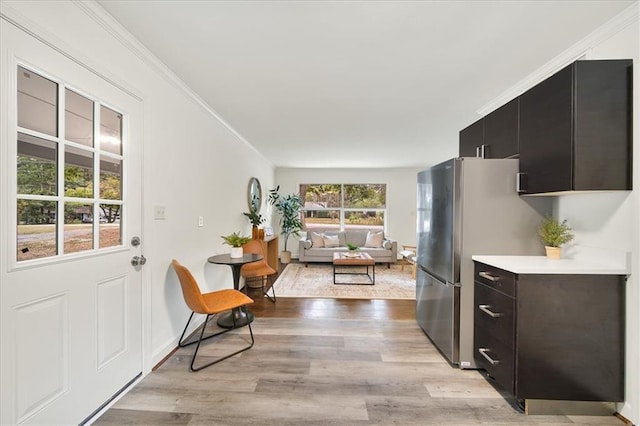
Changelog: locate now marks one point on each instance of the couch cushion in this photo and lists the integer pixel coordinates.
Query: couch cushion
(374, 239)
(331, 241)
(342, 242)
(356, 236)
(316, 239)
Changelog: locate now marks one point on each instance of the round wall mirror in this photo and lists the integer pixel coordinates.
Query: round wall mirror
(254, 194)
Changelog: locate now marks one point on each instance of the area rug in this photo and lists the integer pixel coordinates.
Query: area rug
(316, 280)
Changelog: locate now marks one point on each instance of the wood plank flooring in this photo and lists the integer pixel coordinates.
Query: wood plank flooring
(323, 362)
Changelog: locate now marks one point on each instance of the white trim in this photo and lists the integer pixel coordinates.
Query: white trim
(118, 32)
(15, 18)
(581, 49)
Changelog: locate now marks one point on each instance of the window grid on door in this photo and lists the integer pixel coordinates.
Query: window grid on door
(69, 170)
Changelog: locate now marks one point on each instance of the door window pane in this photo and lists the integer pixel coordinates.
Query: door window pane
(78, 118)
(59, 174)
(110, 130)
(110, 178)
(36, 166)
(36, 229)
(78, 173)
(110, 230)
(37, 103)
(78, 227)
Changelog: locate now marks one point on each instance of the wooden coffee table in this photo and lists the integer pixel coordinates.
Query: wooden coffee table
(342, 259)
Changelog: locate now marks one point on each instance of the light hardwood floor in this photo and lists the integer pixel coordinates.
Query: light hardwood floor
(323, 362)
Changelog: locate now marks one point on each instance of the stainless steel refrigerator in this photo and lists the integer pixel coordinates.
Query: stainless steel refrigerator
(466, 207)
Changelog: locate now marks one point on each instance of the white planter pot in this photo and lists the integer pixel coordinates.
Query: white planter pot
(236, 252)
(285, 257)
(553, 252)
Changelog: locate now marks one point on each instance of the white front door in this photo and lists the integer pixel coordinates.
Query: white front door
(70, 299)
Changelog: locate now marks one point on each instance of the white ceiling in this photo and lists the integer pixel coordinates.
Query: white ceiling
(356, 83)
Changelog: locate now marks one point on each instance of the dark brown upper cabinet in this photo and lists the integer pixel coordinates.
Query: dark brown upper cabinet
(501, 131)
(575, 129)
(471, 139)
(493, 136)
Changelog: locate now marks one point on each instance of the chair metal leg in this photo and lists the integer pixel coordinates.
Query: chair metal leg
(182, 344)
(273, 290)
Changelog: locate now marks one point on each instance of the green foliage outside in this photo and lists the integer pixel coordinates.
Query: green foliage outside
(39, 177)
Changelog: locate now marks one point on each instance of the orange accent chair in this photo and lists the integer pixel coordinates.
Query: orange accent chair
(259, 269)
(209, 304)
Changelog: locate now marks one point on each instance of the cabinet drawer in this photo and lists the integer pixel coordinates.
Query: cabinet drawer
(497, 279)
(494, 312)
(495, 357)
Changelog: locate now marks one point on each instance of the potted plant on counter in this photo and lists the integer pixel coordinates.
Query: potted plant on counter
(554, 234)
(236, 241)
(289, 207)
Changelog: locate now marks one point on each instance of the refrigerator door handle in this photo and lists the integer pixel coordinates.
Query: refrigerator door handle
(440, 280)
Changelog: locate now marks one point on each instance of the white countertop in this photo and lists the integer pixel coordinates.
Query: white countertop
(542, 265)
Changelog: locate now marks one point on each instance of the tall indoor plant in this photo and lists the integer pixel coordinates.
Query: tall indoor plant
(289, 207)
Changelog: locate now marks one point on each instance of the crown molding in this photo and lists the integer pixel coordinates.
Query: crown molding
(579, 50)
(94, 11)
(16, 18)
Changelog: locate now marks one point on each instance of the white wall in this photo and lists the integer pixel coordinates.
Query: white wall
(194, 165)
(401, 194)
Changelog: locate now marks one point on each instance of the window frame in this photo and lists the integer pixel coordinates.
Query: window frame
(343, 211)
(60, 198)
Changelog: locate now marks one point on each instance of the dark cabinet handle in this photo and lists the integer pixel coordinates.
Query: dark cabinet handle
(521, 182)
(486, 310)
(488, 276)
(483, 352)
(481, 151)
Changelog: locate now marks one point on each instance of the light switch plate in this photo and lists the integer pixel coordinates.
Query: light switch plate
(158, 212)
(200, 221)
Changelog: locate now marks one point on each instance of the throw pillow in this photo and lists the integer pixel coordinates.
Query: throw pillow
(331, 241)
(374, 239)
(316, 240)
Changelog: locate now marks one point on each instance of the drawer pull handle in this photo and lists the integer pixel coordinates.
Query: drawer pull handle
(488, 276)
(486, 310)
(483, 352)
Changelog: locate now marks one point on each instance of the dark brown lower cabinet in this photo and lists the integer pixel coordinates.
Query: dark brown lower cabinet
(551, 337)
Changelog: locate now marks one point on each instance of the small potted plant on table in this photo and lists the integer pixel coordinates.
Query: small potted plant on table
(554, 234)
(352, 250)
(236, 241)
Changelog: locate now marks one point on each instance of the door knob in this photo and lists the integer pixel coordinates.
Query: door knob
(138, 260)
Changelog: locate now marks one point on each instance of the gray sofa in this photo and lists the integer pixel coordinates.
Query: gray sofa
(387, 252)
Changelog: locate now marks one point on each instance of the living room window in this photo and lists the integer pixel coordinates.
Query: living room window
(343, 206)
(69, 170)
